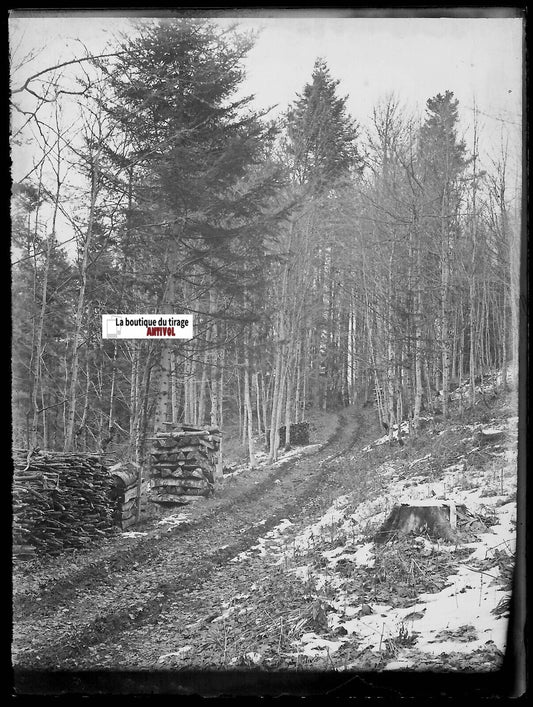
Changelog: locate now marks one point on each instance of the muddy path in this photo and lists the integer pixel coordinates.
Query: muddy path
(60, 621)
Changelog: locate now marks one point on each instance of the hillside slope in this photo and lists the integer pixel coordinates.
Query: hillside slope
(285, 574)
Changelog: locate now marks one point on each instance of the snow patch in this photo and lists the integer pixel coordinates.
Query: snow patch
(313, 646)
(261, 546)
(417, 461)
(253, 657)
(174, 520)
(176, 654)
(261, 459)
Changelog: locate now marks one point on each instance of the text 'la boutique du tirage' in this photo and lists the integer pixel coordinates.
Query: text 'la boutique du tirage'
(142, 326)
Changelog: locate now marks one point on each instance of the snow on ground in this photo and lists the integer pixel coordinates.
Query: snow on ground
(174, 520)
(487, 387)
(261, 459)
(133, 534)
(404, 429)
(314, 646)
(462, 616)
(456, 619)
(262, 547)
(297, 452)
(179, 654)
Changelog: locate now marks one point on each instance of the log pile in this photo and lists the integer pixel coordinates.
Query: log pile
(60, 500)
(183, 462)
(299, 434)
(125, 491)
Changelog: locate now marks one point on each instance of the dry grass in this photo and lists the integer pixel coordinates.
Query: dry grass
(263, 629)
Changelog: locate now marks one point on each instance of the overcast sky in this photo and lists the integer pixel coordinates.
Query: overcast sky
(477, 58)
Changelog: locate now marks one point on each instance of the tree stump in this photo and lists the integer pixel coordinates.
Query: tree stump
(437, 518)
(490, 436)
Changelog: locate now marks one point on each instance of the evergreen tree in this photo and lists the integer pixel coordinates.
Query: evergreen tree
(442, 161)
(199, 170)
(321, 142)
(442, 154)
(321, 134)
(193, 145)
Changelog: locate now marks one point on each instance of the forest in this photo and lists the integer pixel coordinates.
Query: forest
(325, 263)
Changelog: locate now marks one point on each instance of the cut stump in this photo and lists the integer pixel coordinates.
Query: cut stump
(490, 436)
(437, 518)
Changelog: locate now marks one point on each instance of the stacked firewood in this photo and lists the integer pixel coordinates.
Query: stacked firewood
(183, 463)
(127, 494)
(299, 434)
(60, 500)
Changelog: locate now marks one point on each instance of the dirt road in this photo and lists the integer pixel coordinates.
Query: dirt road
(126, 604)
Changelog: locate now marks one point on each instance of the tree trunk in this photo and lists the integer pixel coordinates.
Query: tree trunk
(163, 403)
(134, 374)
(112, 389)
(298, 414)
(141, 420)
(504, 342)
(473, 259)
(38, 348)
(248, 409)
(83, 423)
(288, 403)
(255, 384)
(265, 405)
(173, 388)
(203, 387)
(276, 407)
(445, 324)
(215, 385)
(76, 343)
(418, 340)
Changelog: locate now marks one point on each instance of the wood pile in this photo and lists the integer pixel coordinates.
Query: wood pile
(183, 462)
(60, 500)
(125, 490)
(299, 434)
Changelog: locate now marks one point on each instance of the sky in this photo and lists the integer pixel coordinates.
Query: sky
(479, 59)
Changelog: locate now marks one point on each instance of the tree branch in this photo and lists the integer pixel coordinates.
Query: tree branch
(26, 83)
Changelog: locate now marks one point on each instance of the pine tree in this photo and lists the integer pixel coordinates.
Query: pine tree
(443, 155)
(201, 174)
(321, 134)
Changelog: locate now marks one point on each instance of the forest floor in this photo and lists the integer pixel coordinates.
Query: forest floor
(279, 570)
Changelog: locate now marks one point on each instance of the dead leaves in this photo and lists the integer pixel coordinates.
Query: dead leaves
(502, 608)
(462, 634)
